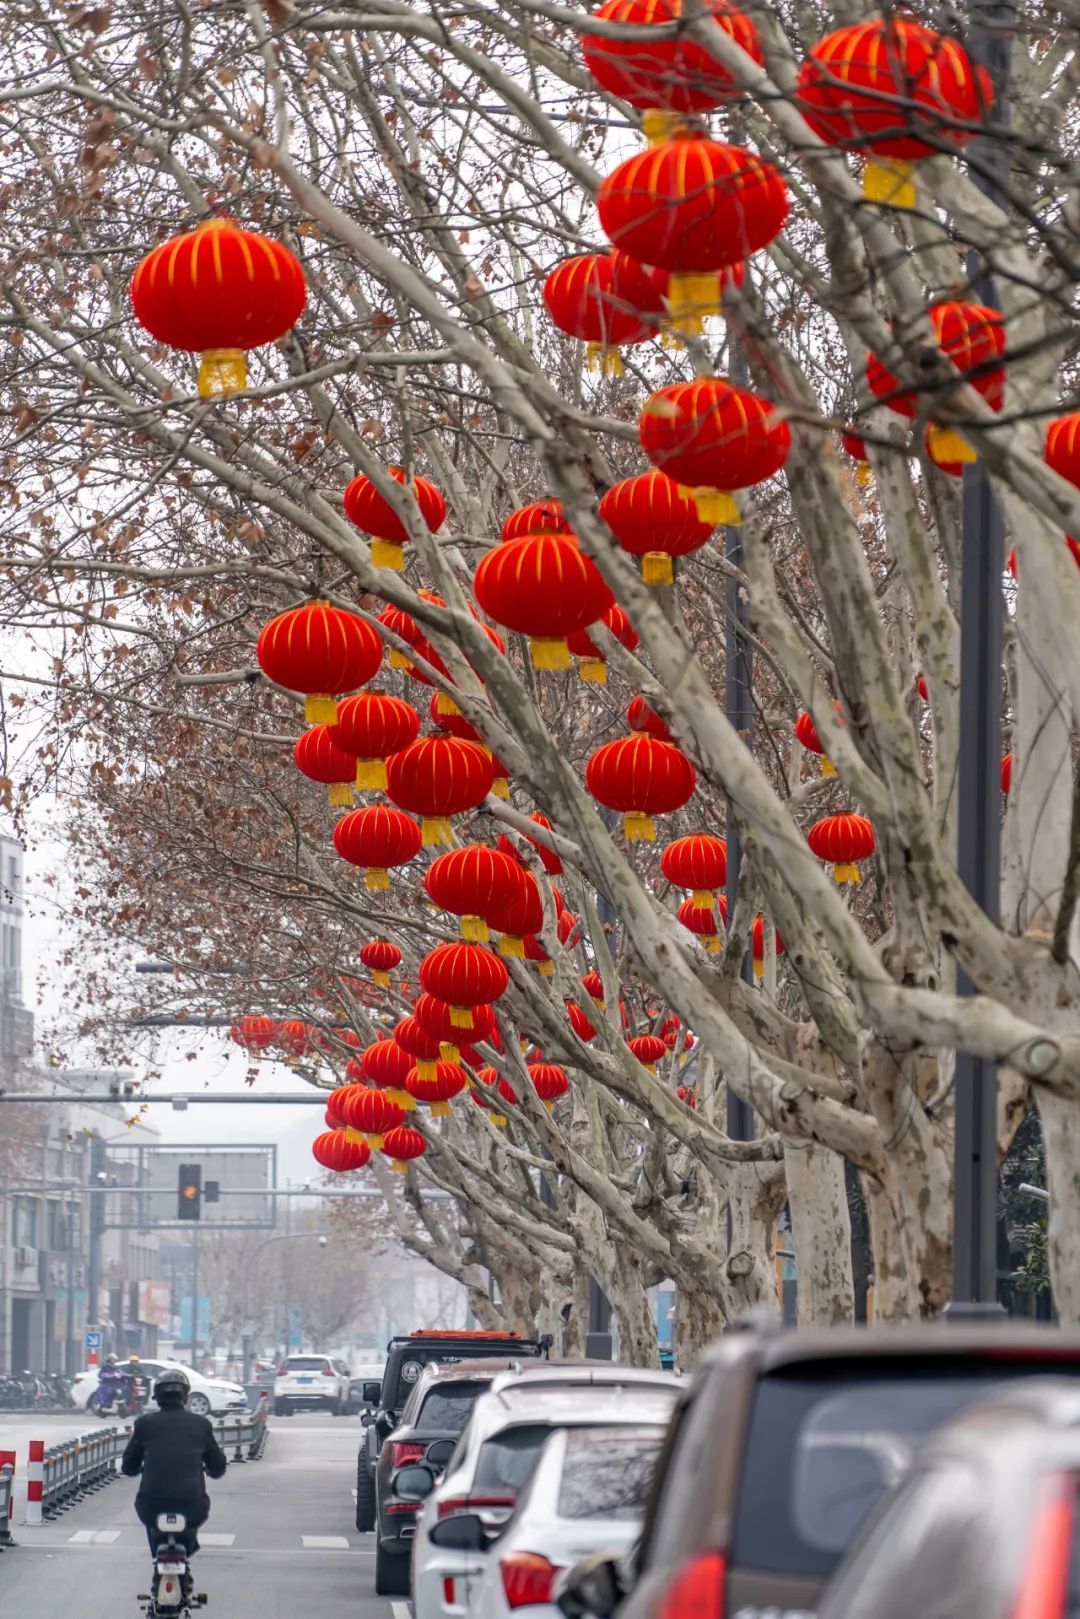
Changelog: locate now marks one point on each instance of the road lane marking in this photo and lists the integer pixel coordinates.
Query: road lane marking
(216, 1540)
(94, 1537)
(324, 1543)
(401, 1610)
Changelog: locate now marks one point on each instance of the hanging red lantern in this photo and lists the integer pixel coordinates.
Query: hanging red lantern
(579, 1022)
(1062, 446)
(592, 665)
(685, 312)
(369, 1114)
(217, 291)
(436, 777)
(385, 1064)
(568, 928)
(371, 726)
(402, 624)
(428, 658)
(687, 1094)
(333, 1150)
(506, 1092)
(545, 587)
(807, 734)
(699, 862)
(337, 1101)
(535, 952)
(973, 338)
(1006, 773)
(652, 518)
(466, 976)
(712, 438)
(584, 301)
(691, 206)
(254, 1034)
(442, 1021)
(593, 985)
(897, 90)
(549, 1082)
(373, 514)
(757, 943)
(437, 1090)
(538, 517)
(423, 1047)
(640, 777)
(295, 1039)
(523, 915)
(402, 1146)
(376, 838)
(380, 957)
(649, 1049)
(666, 76)
(855, 446)
(319, 759)
(548, 858)
(697, 920)
(471, 882)
(843, 839)
(640, 717)
(320, 651)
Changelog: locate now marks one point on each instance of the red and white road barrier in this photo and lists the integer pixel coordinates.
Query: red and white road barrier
(35, 1481)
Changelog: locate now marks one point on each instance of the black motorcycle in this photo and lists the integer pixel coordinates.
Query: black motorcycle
(172, 1592)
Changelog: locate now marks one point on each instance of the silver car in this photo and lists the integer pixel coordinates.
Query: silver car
(495, 1458)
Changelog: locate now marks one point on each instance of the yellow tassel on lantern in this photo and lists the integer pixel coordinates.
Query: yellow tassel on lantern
(222, 372)
(658, 125)
(947, 445)
(657, 568)
(371, 775)
(712, 944)
(436, 829)
(593, 670)
(440, 1110)
(692, 296)
(639, 828)
(376, 1142)
(461, 1017)
(511, 945)
(399, 1166)
(402, 1098)
(380, 977)
(546, 969)
(320, 709)
(607, 361)
(862, 474)
(475, 929)
(701, 899)
(827, 766)
(498, 1120)
(388, 554)
(713, 506)
(408, 1103)
(445, 704)
(355, 1136)
(889, 180)
(550, 1106)
(846, 874)
(375, 878)
(398, 660)
(448, 1051)
(339, 793)
(548, 653)
(427, 1068)
(501, 787)
(759, 968)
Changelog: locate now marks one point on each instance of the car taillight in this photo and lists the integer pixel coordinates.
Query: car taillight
(328, 1371)
(401, 1453)
(527, 1578)
(474, 1503)
(696, 1590)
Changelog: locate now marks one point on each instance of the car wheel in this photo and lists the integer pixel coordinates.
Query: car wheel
(279, 1408)
(391, 1573)
(94, 1403)
(365, 1498)
(339, 1408)
(199, 1404)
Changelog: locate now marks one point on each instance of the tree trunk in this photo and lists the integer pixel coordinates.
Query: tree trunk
(821, 1229)
(1061, 1133)
(699, 1320)
(754, 1206)
(625, 1288)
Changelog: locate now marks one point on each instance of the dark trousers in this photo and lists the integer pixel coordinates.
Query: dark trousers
(195, 1515)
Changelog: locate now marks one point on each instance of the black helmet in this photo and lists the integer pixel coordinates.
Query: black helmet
(172, 1387)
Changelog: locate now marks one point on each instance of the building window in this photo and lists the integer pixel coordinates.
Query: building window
(24, 1225)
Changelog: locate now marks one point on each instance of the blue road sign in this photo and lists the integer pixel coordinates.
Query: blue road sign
(93, 1339)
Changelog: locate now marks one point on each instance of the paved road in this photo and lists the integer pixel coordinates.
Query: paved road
(280, 1542)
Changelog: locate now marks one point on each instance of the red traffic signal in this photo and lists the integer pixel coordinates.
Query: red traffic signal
(189, 1192)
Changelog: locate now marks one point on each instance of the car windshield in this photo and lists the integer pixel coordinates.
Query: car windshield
(305, 1363)
(825, 1444)
(506, 1461)
(450, 1407)
(607, 1475)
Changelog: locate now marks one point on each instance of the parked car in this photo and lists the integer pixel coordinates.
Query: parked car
(361, 1376)
(210, 1396)
(588, 1491)
(984, 1526)
(494, 1460)
(406, 1358)
(311, 1383)
(780, 1447)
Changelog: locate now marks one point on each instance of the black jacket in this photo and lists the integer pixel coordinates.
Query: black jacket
(172, 1449)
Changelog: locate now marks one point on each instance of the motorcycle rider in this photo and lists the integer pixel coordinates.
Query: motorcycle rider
(171, 1451)
(112, 1383)
(139, 1387)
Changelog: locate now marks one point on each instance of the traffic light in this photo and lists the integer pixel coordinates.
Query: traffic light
(189, 1192)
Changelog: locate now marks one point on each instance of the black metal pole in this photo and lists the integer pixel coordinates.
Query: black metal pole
(975, 1169)
(96, 1224)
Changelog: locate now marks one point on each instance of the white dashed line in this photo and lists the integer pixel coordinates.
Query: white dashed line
(401, 1610)
(216, 1540)
(324, 1543)
(94, 1537)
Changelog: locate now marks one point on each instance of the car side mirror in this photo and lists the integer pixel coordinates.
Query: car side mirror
(413, 1483)
(439, 1453)
(591, 1589)
(463, 1532)
(369, 1393)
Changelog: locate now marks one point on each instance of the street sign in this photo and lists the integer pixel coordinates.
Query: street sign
(93, 1340)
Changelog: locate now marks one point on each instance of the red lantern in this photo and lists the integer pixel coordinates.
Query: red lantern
(371, 726)
(548, 858)
(295, 1039)
(592, 666)
(539, 517)
(402, 624)
(692, 205)
(319, 759)
(698, 862)
(549, 1082)
(401, 1146)
(593, 985)
(757, 942)
(333, 1150)
(373, 514)
(579, 1022)
(254, 1034)
(436, 1090)
(641, 778)
(855, 446)
(436, 777)
(648, 1049)
(652, 518)
(371, 1113)
(544, 586)
(1006, 773)
(523, 915)
(423, 1047)
(702, 922)
(640, 717)
(896, 89)
(535, 952)
(506, 1092)
(466, 976)
(973, 338)
(806, 732)
(584, 301)
(380, 957)
(217, 291)
(376, 838)
(670, 75)
(335, 1102)
(442, 1022)
(320, 651)
(687, 1094)
(712, 438)
(386, 1065)
(471, 882)
(843, 839)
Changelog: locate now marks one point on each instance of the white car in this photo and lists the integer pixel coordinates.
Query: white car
(311, 1383)
(496, 1454)
(210, 1396)
(587, 1495)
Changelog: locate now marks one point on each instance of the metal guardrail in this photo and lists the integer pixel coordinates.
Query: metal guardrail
(7, 1489)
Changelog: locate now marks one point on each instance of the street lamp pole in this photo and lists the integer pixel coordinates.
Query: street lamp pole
(739, 712)
(975, 1180)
